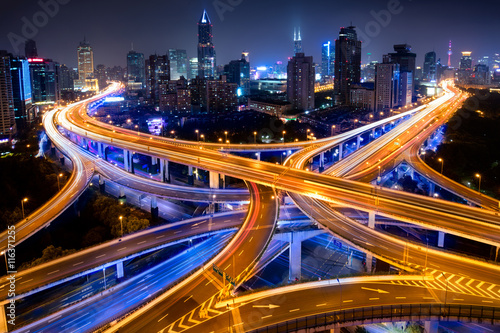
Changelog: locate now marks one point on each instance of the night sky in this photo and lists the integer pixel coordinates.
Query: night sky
(264, 28)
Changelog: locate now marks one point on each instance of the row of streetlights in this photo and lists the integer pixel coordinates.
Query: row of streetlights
(26, 199)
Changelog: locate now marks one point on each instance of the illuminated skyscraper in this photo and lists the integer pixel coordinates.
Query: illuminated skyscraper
(347, 63)
(300, 85)
(7, 118)
(206, 49)
(21, 91)
(297, 42)
(85, 65)
(466, 61)
(178, 63)
(157, 73)
(387, 83)
(135, 71)
(328, 59)
(430, 67)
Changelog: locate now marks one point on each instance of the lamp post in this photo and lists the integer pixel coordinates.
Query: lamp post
(307, 135)
(479, 176)
(121, 224)
(333, 129)
(58, 183)
(225, 133)
(198, 135)
(255, 137)
(442, 163)
(284, 132)
(22, 205)
(203, 137)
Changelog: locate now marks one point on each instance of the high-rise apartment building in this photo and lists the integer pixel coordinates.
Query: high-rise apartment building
(157, 73)
(45, 87)
(387, 83)
(178, 63)
(85, 56)
(7, 115)
(238, 71)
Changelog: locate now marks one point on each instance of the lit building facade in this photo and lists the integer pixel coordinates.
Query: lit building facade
(300, 82)
(387, 84)
(206, 48)
(7, 115)
(347, 63)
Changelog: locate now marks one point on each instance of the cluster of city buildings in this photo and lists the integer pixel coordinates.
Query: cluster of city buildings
(172, 82)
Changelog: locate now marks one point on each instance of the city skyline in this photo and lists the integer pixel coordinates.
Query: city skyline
(234, 29)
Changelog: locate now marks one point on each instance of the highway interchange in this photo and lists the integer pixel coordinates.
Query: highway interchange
(196, 296)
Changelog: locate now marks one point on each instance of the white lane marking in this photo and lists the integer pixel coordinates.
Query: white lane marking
(26, 281)
(53, 272)
(141, 242)
(102, 255)
(123, 248)
(78, 263)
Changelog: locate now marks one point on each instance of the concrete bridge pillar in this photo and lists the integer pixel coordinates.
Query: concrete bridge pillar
(341, 151)
(432, 188)
(431, 327)
(321, 161)
(121, 197)
(215, 179)
(358, 141)
(441, 239)
(126, 159)
(154, 208)
(371, 219)
(257, 156)
(369, 263)
(295, 256)
(164, 171)
(119, 270)
(99, 150)
(190, 175)
(373, 134)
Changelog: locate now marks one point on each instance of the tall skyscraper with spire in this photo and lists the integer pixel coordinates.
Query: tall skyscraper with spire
(449, 54)
(206, 49)
(297, 42)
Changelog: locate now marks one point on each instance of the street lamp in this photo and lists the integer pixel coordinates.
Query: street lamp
(333, 129)
(121, 223)
(284, 132)
(22, 205)
(198, 135)
(58, 183)
(203, 137)
(225, 133)
(479, 176)
(255, 137)
(442, 163)
(307, 137)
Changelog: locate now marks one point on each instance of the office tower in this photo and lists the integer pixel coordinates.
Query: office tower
(430, 67)
(405, 89)
(405, 58)
(45, 86)
(30, 50)
(297, 42)
(157, 73)
(135, 71)
(101, 76)
(300, 82)
(368, 72)
(85, 57)
(327, 59)
(206, 49)
(178, 63)
(466, 61)
(246, 55)
(21, 91)
(238, 71)
(482, 74)
(449, 54)
(66, 79)
(214, 96)
(7, 115)
(387, 83)
(193, 68)
(347, 63)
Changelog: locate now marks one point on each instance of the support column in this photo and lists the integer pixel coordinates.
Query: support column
(441, 239)
(119, 270)
(214, 179)
(99, 150)
(61, 159)
(164, 171)
(258, 156)
(371, 219)
(431, 326)
(105, 149)
(431, 189)
(125, 159)
(190, 175)
(154, 209)
(52, 149)
(122, 197)
(369, 263)
(358, 142)
(295, 258)
(373, 134)
(102, 184)
(341, 151)
(321, 161)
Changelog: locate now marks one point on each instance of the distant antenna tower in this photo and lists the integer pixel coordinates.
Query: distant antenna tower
(449, 54)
